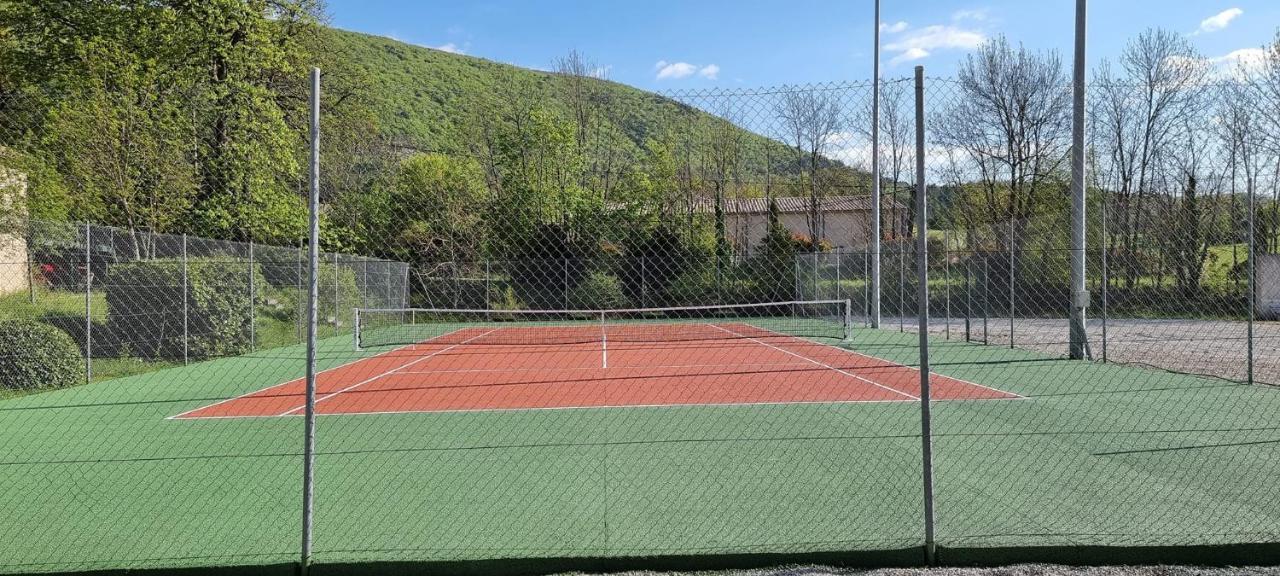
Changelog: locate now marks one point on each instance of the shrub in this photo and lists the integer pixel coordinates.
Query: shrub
(35, 355)
(145, 306)
(598, 291)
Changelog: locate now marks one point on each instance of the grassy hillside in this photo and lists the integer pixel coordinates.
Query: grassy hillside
(418, 93)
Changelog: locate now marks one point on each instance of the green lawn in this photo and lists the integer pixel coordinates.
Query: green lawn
(97, 477)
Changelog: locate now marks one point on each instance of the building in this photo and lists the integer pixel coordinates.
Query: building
(844, 221)
(14, 259)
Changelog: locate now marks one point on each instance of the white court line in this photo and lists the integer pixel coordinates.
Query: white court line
(579, 368)
(388, 372)
(807, 359)
(388, 353)
(1014, 396)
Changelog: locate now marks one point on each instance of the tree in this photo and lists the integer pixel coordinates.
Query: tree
(1010, 124)
(809, 120)
(1139, 116)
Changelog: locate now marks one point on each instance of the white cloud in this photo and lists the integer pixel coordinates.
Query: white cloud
(1244, 61)
(909, 55)
(923, 42)
(894, 28)
(676, 70)
(978, 14)
(1218, 21)
(450, 48)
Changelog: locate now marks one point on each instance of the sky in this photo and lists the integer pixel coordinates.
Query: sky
(688, 44)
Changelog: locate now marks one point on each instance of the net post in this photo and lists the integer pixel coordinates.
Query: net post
(922, 308)
(355, 327)
(488, 298)
(185, 312)
(88, 303)
(848, 320)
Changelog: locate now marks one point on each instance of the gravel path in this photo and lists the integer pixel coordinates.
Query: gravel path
(1209, 347)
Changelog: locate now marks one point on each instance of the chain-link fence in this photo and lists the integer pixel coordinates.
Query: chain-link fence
(628, 330)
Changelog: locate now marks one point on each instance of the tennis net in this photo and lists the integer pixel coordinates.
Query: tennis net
(826, 319)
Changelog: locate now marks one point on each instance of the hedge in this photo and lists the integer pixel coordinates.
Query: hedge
(35, 355)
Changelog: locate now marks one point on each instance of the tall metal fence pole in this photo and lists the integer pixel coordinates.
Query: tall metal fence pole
(31, 267)
(946, 276)
(644, 280)
(88, 303)
(1106, 274)
(817, 295)
(253, 303)
(313, 301)
(922, 267)
(874, 257)
(1013, 240)
(337, 296)
(866, 287)
(902, 288)
(968, 298)
(1079, 204)
(1252, 280)
(186, 323)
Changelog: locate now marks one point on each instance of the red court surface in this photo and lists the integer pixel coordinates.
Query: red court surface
(487, 368)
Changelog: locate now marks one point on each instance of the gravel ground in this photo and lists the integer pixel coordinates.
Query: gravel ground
(1016, 570)
(1208, 347)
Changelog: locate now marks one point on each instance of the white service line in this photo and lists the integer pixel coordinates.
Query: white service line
(388, 372)
(807, 359)
(1014, 396)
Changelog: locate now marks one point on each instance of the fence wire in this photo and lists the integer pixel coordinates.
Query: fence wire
(566, 340)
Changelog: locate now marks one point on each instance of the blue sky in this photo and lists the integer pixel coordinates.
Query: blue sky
(674, 44)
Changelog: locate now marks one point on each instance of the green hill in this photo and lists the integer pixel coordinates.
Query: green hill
(422, 95)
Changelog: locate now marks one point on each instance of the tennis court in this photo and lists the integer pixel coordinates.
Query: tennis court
(695, 436)
(499, 366)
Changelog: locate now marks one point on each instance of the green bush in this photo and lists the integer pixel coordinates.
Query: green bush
(145, 306)
(35, 355)
(598, 291)
(339, 295)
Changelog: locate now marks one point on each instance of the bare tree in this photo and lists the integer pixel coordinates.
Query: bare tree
(1010, 122)
(810, 118)
(1139, 115)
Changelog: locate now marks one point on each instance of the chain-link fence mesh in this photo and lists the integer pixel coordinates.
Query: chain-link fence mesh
(564, 339)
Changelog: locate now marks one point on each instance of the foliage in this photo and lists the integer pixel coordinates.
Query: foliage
(599, 290)
(147, 307)
(36, 355)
